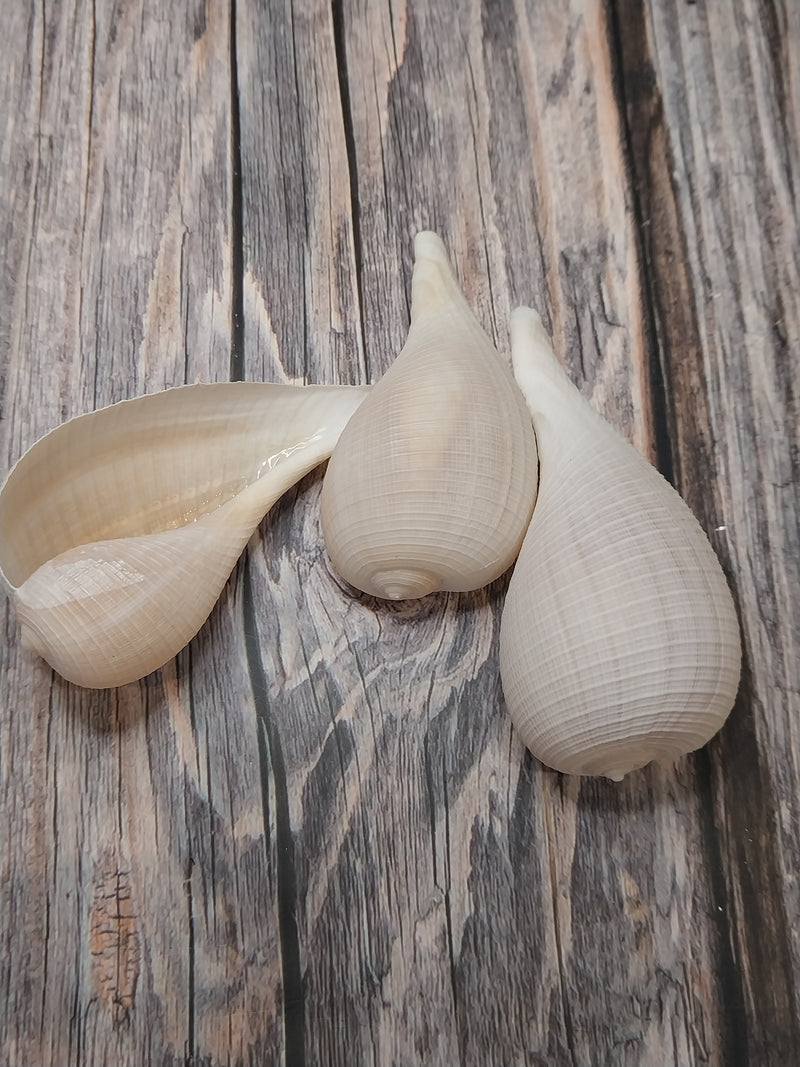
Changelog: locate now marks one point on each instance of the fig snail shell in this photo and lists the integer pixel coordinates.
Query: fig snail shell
(119, 528)
(433, 480)
(619, 642)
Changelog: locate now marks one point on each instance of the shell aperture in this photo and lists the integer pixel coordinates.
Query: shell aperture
(119, 529)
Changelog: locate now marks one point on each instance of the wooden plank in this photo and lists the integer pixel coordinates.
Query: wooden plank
(300, 317)
(420, 839)
(135, 885)
(616, 880)
(714, 106)
(299, 298)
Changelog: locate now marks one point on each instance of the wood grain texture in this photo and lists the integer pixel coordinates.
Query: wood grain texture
(314, 838)
(121, 221)
(715, 132)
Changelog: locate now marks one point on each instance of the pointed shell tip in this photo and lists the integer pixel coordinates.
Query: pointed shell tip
(428, 244)
(405, 584)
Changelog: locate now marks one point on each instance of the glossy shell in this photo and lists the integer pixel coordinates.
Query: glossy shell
(119, 529)
(432, 483)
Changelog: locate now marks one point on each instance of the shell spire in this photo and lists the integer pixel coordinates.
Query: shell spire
(619, 641)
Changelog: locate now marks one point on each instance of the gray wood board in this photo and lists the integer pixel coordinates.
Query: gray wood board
(314, 837)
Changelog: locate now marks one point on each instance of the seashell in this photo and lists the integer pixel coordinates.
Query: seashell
(119, 529)
(619, 642)
(432, 482)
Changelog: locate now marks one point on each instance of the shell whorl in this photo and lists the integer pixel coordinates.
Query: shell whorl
(432, 483)
(619, 639)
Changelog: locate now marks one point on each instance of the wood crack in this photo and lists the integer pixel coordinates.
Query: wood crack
(478, 189)
(89, 122)
(664, 453)
(337, 17)
(52, 762)
(569, 1029)
(34, 199)
(190, 1035)
(735, 1032)
(431, 808)
(448, 908)
(272, 764)
(237, 365)
(212, 842)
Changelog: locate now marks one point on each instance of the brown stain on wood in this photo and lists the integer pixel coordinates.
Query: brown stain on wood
(114, 938)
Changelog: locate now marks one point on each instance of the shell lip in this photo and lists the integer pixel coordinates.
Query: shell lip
(75, 508)
(287, 456)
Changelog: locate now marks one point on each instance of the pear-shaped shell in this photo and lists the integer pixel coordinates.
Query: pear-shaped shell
(619, 641)
(432, 483)
(119, 529)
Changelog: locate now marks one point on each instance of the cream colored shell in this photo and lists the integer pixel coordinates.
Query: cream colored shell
(619, 641)
(432, 483)
(119, 529)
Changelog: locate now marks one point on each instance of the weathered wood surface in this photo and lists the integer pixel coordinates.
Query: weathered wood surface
(314, 838)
